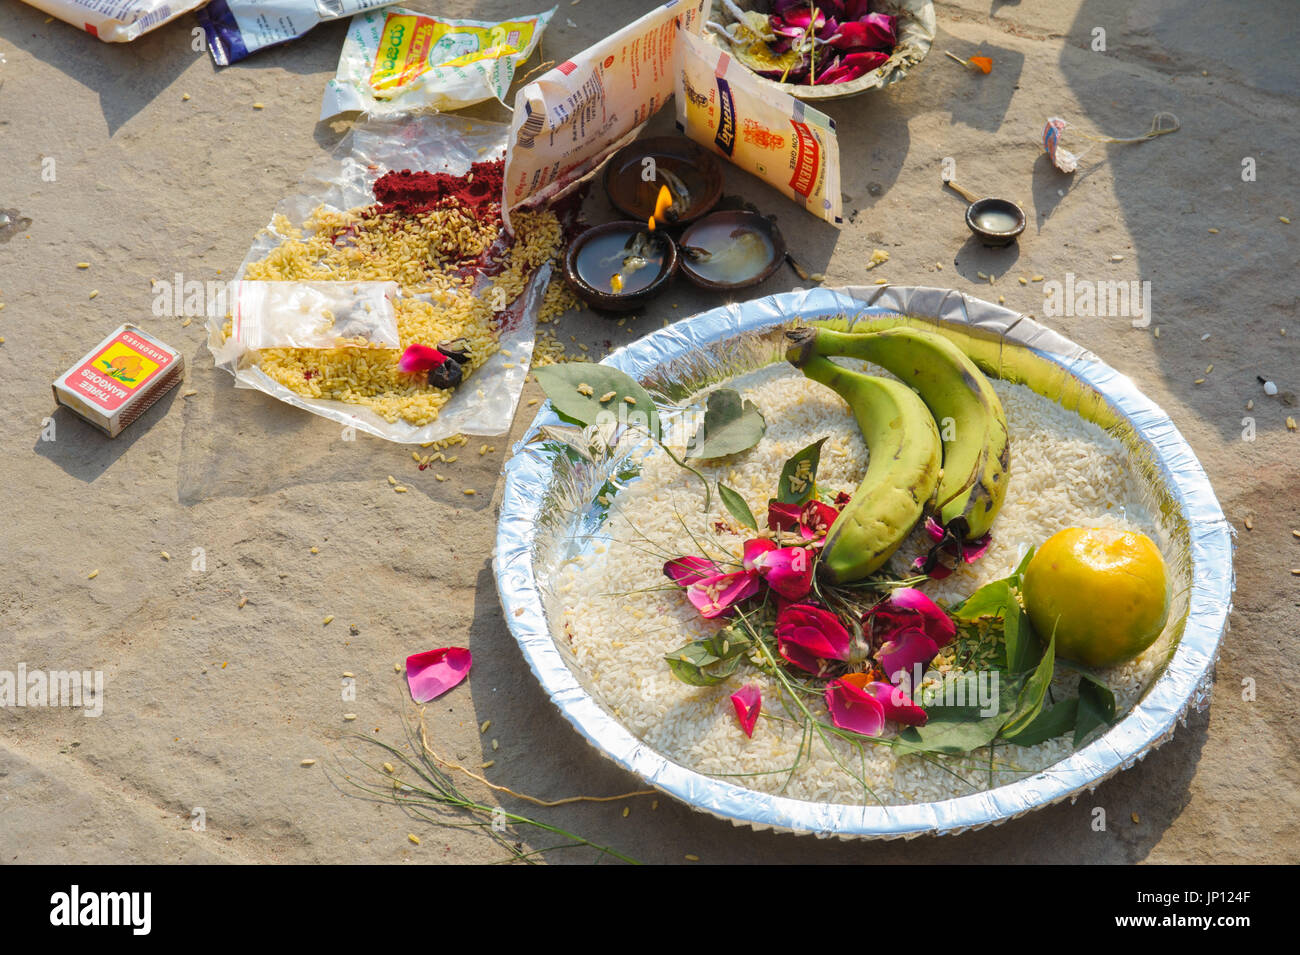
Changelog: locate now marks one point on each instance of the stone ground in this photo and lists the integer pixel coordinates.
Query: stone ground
(212, 706)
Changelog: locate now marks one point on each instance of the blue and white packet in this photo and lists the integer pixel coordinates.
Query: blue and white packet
(238, 28)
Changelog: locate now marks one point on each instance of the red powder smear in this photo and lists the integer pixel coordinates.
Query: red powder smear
(414, 192)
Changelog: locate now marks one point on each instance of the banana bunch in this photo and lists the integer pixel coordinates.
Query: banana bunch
(902, 470)
(972, 482)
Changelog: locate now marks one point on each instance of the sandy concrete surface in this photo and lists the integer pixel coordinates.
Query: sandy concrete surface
(211, 706)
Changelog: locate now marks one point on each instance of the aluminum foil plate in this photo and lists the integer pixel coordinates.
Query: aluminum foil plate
(549, 510)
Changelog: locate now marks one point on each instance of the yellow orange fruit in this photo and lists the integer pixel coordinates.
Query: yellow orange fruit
(1104, 592)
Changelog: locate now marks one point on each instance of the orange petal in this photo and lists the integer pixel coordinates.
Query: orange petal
(981, 63)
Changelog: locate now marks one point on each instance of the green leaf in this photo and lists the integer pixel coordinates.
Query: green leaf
(1023, 647)
(1030, 703)
(737, 507)
(709, 661)
(731, 425)
(1096, 707)
(1048, 724)
(989, 602)
(959, 729)
(801, 491)
(561, 384)
(1019, 572)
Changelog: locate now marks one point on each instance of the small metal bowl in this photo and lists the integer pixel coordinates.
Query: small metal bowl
(687, 160)
(750, 221)
(618, 301)
(990, 238)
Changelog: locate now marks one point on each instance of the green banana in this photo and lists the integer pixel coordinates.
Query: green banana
(976, 447)
(902, 471)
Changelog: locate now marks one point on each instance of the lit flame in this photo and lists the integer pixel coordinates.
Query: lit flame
(662, 205)
(616, 282)
(651, 222)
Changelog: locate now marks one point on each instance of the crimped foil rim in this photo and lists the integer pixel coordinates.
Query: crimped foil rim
(1184, 683)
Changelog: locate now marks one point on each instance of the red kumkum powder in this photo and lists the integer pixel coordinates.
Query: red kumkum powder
(479, 190)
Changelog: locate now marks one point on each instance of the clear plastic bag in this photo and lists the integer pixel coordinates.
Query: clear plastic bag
(485, 404)
(315, 315)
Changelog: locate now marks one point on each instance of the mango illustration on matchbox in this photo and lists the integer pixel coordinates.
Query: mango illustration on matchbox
(119, 378)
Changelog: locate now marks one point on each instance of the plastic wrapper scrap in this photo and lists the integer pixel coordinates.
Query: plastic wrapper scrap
(485, 403)
(574, 117)
(551, 512)
(789, 145)
(1061, 157)
(315, 314)
(116, 21)
(237, 28)
(398, 61)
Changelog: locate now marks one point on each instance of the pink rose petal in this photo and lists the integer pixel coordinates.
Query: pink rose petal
(907, 607)
(717, 595)
(788, 571)
(811, 638)
(898, 706)
(938, 572)
(685, 571)
(783, 517)
(853, 709)
(434, 672)
(419, 358)
(904, 651)
(748, 701)
(754, 549)
(972, 551)
(952, 546)
(816, 518)
(852, 66)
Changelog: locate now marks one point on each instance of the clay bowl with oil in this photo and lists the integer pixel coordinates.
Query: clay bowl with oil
(596, 255)
(687, 164)
(731, 250)
(995, 222)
